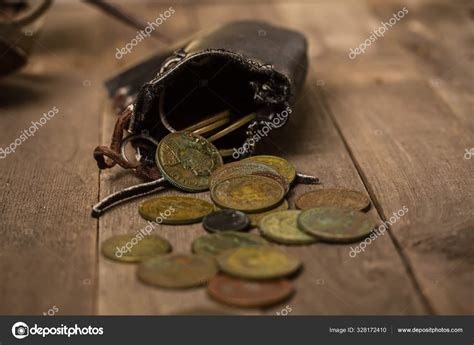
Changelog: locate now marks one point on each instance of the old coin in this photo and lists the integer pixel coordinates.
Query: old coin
(135, 247)
(333, 198)
(282, 227)
(175, 209)
(225, 220)
(255, 217)
(265, 262)
(177, 271)
(244, 293)
(277, 177)
(214, 244)
(333, 224)
(187, 160)
(237, 169)
(248, 193)
(284, 168)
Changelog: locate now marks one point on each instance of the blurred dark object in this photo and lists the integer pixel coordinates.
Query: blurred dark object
(19, 22)
(129, 19)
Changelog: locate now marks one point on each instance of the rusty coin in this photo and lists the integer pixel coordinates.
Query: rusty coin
(248, 193)
(245, 293)
(178, 270)
(281, 165)
(333, 198)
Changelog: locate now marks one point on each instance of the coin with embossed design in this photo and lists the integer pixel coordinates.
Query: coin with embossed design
(265, 262)
(255, 217)
(237, 169)
(281, 165)
(175, 209)
(187, 160)
(226, 220)
(282, 227)
(135, 247)
(178, 270)
(334, 224)
(246, 293)
(248, 193)
(333, 198)
(216, 243)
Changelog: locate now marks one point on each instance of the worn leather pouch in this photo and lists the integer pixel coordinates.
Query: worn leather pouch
(245, 67)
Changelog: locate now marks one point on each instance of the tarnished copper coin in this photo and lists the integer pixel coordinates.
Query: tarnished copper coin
(213, 244)
(175, 209)
(265, 262)
(178, 270)
(248, 193)
(277, 177)
(134, 247)
(255, 217)
(281, 165)
(335, 224)
(282, 227)
(333, 198)
(237, 169)
(245, 293)
(187, 160)
(226, 220)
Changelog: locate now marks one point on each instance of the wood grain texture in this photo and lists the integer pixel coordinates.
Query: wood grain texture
(393, 123)
(408, 145)
(48, 240)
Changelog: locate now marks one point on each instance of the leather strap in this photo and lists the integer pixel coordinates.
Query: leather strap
(108, 157)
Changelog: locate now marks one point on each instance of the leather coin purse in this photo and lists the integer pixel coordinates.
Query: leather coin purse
(245, 67)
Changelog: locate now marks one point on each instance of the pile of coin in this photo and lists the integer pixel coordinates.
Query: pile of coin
(240, 267)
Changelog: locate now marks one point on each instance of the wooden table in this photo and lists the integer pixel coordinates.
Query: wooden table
(394, 122)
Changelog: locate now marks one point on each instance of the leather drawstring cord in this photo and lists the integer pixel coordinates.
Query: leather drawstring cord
(108, 157)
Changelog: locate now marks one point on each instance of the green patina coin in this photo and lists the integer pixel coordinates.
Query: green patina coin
(255, 217)
(134, 247)
(264, 262)
(175, 209)
(282, 227)
(333, 224)
(216, 243)
(187, 160)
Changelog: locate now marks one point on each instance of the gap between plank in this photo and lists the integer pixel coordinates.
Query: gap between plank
(406, 262)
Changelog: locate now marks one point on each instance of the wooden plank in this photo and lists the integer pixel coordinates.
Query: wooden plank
(48, 247)
(438, 36)
(408, 146)
(321, 289)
